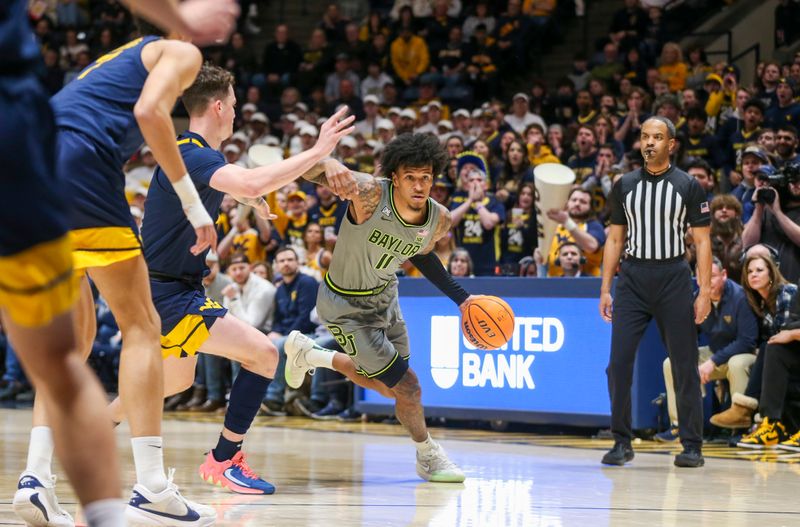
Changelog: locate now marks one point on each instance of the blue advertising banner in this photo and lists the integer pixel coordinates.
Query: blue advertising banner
(554, 363)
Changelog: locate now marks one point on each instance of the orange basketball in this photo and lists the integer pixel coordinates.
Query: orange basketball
(487, 322)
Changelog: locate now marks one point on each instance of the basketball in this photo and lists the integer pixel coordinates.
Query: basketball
(487, 322)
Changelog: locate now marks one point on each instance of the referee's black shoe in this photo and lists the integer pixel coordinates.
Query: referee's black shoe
(690, 458)
(619, 455)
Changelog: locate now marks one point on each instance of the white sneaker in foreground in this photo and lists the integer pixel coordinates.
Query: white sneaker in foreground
(296, 347)
(167, 507)
(435, 466)
(36, 503)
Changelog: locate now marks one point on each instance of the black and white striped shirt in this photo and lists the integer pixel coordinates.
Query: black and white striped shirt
(657, 210)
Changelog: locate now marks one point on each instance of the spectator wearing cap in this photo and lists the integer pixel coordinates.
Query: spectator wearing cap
(374, 82)
(700, 144)
(282, 57)
(142, 174)
(477, 216)
(777, 223)
(441, 190)
(407, 121)
(753, 159)
(291, 223)
(434, 117)
(346, 152)
(445, 128)
(308, 136)
(368, 127)
(342, 71)
(786, 143)
(288, 128)
(385, 130)
(409, 55)
(736, 142)
(722, 93)
(521, 117)
(232, 154)
(462, 123)
(241, 140)
(786, 110)
(259, 128)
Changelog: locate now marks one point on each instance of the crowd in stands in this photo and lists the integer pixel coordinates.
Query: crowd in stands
(441, 67)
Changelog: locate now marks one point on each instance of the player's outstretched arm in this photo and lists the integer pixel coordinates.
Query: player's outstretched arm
(172, 66)
(431, 268)
(368, 191)
(204, 21)
(256, 182)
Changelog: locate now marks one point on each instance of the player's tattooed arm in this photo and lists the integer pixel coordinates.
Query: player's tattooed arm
(367, 195)
(445, 222)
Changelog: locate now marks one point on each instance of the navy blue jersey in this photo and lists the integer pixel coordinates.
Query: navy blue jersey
(99, 102)
(166, 233)
(329, 218)
(483, 245)
(18, 48)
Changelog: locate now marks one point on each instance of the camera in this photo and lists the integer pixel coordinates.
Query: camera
(777, 182)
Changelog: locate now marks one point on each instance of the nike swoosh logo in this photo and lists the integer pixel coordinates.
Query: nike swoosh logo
(229, 474)
(38, 504)
(191, 515)
(425, 467)
(154, 446)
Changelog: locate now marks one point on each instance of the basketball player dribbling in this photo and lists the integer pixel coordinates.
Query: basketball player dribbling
(101, 118)
(37, 288)
(388, 222)
(192, 323)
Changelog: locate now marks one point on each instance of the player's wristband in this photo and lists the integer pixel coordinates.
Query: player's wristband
(195, 212)
(432, 269)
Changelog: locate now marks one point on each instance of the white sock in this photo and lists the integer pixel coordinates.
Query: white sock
(148, 457)
(320, 357)
(40, 452)
(426, 445)
(105, 513)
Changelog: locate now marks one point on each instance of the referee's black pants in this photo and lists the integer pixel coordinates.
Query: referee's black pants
(660, 290)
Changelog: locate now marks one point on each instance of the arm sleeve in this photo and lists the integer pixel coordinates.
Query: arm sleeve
(698, 211)
(432, 269)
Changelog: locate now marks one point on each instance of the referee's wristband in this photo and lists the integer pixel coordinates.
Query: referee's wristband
(570, 225)
(195, 212)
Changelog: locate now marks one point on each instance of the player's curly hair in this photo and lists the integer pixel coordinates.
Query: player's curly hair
(212, 83)
(413, 151)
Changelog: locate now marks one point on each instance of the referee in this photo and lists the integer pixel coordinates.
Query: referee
(650, 211)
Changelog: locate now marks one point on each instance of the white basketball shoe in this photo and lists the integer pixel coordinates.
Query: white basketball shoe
(36, 503)
(167, 507)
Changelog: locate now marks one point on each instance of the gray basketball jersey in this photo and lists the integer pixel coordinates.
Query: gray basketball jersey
(367, 256)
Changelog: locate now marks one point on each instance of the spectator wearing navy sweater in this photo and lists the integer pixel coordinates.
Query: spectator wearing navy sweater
(294, 300)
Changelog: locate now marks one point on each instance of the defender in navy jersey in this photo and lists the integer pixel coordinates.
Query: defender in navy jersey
(651, 210)
(191, 322)
(39, 260)
(388, 222)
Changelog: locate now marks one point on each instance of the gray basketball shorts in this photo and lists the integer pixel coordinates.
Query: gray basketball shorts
(370, 329)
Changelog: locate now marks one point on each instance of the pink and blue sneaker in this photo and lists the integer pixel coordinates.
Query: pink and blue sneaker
(235, 475)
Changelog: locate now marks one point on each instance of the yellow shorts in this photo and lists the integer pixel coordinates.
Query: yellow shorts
(102, 246)
(38, 284)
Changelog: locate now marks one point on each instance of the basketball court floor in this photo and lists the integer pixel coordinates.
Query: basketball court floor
(335, 474)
